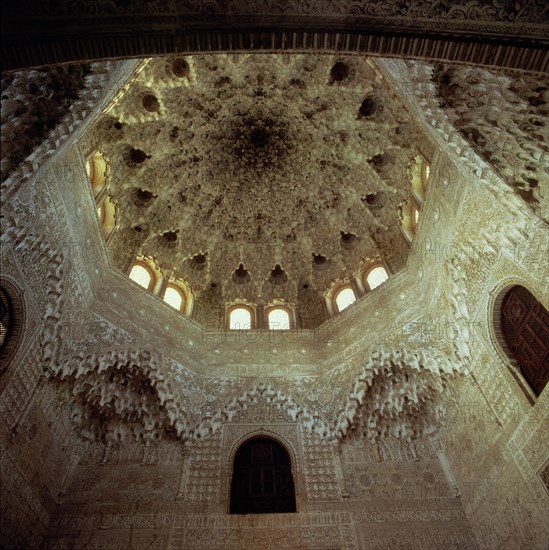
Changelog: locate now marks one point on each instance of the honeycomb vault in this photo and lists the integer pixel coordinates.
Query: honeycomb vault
(259, 164)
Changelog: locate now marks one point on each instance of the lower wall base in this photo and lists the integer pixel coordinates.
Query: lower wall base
(358, 529)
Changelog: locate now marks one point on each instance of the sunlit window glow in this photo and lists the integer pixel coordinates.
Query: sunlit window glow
(345, 298)
(279, 319)
(376, 277)
(96, 168)
(173, 297)
(240, 318)
(416, 215)
(140, 275)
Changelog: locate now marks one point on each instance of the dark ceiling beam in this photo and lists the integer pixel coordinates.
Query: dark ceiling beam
(33, 36)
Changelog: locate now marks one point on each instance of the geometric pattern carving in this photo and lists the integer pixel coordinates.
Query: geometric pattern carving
(138, 395)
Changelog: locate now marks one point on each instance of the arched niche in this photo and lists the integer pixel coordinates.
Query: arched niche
(262, 480)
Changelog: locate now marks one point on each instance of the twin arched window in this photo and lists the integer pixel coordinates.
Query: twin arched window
(151, 278)
(344, 294)
(244, 317)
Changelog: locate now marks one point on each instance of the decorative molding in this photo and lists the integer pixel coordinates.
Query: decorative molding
(482, 33)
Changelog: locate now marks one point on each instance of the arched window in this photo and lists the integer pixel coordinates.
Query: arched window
(376, 277)
(409, 218)
(240, 318)
(106, 213)
(174, 297)
(279, 319)
(12, 321)
(420, 170)
(142, 276)
(344, 298)
(96, 168)
(525, 331)
(262, 481)
(410, 211)
(5, 315)
(425, 172)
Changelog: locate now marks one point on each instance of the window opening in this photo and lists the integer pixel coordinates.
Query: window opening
(376, 277)
(240, 319)
(141, 276)
(262, 481)
(279, 319)
(173, 297)
(345, 298)
(525, 329)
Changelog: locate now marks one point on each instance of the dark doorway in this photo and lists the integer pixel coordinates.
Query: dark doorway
(262, 479)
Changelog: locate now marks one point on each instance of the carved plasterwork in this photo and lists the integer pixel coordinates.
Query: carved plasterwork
(396, 395)
(460, 11)
(53, 260)
(511, 162)
(122, 395)
(49, 121)
(503, 116)
(133, 395)
(33, 103)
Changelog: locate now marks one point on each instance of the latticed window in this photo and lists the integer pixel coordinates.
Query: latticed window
(525, 329)
(5, 317)
(262, 480)
(11, 322)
